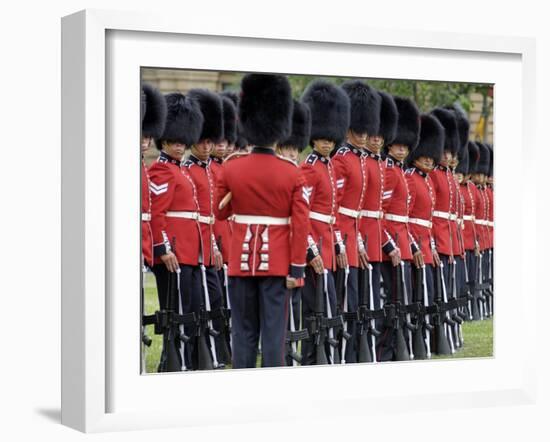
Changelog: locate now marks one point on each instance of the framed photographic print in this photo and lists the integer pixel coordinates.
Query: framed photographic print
(110, 383)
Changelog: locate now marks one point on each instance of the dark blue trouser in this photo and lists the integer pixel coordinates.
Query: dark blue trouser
(386, 342)
(353, 303)
(259, 305)
(308, 310)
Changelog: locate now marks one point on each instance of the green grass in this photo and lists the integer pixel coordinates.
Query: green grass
(478, 335)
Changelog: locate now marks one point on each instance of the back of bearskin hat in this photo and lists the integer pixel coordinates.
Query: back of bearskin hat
(330, 111)
(463, 160)
(490, 146)
(408, 123)
(431, 140)
(473, 157)
(265, 108)
(184, 120)
(448, 120)
(229, 120)
(301, 127)
(212, 111)
(153, 112)
(484, 159)
(365, 103)
(240, 141)
(388, 118)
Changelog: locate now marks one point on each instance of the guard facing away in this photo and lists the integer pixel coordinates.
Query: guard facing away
(176, 231)
(352, 182)
(329, 106)
(266, 196)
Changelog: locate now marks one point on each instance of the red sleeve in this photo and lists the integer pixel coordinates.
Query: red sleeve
(222, 190)
(162, 185)
(299, 225)
(390, 182)
(310, 183)
(340, 173)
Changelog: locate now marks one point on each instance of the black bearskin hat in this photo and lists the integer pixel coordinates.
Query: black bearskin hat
(229, 120)
(463, 124)
(301, 127)
(484, 159)
(408, 123)
(212, 111)
(473, 157)
(184, 120)
(448, 120)
(431, 141)
(365, 103)
(330, 111)
(265, 108)
(240, 142)
(153, 112)
(388, 118)
(490, 146)
(463, 160)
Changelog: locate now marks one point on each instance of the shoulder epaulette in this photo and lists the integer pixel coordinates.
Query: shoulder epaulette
(409, 171)
(287, 159)
(389, 162)
(235, 155)
(311, 159)
(343, 150)
(188, 163)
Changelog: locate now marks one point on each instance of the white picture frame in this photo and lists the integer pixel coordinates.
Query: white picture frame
(92, 218)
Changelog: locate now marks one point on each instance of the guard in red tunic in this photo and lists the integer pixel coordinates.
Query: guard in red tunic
(330, 109)
(422, 195)
(153, 119)
(396, 205)
(490, 199)
(352, 181)
(471, 246)
(482, 219)
(444, 215)
(198, 165)
(268, 199)
(175, 213)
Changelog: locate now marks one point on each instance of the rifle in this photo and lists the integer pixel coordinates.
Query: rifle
(225, 313)
(442, 321)
(402, 354)
(294, 336)
(489, 291)
(421, 342)
(407, 308)
(457, 326)
(342, 287)
(146, 341)
(480, 297)
(208, 360)
(427, 326)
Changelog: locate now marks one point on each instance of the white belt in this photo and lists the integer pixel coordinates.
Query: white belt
(146, 217)
(328, 219)
(421, 222)
(469, 217)
(192, 215)
(482, 222)
(445, 215)
(349, 212)
(396, 218)
(378, 214)
(263, 220)
(490, 223)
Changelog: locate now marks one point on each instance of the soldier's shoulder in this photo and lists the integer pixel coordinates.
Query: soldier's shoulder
(236, 156)
(188, 163)
(409, 171)
(159, 166)
(390, 163)
(342, 151)
(311, 159)
(287, 160)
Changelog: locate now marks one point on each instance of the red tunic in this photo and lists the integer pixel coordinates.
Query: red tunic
(443, 234)
(456, 223)
(481, 218)
(469, 231)
(265, 185)
(204, 182)
(395, 201)
(146, 232)
(422, 202)
(351, 181)
(172, 190)
(320, 178)
(222, 227)
(490, 199)
(371, 227)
